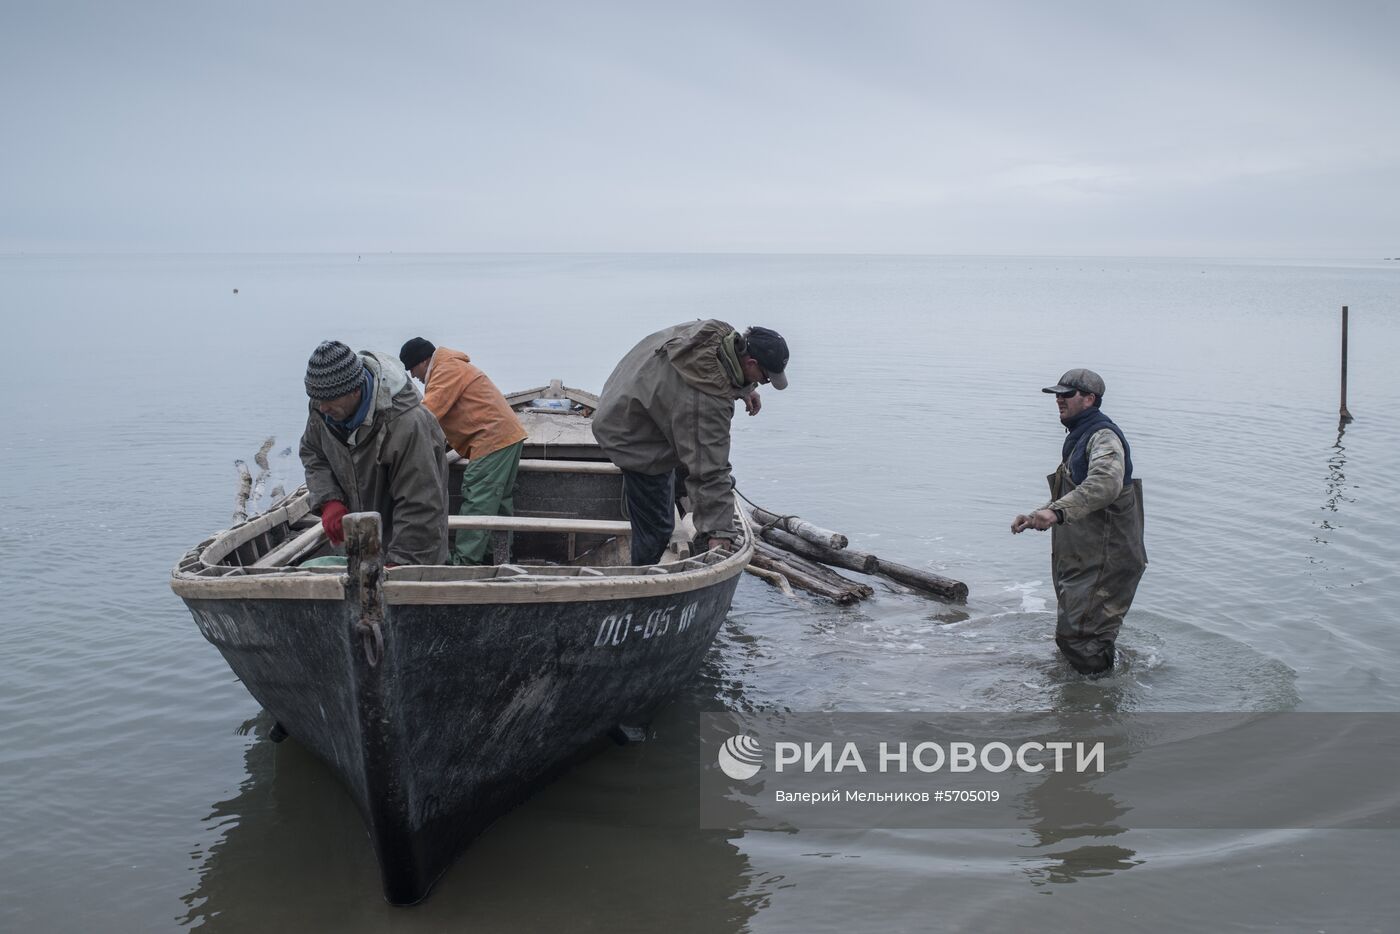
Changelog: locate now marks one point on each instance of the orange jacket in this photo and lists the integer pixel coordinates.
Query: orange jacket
(473, 413)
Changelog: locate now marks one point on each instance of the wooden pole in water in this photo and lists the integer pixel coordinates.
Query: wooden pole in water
(814, 569)
(801, 528)
(927, 581)
(801, 579)
(840, 557)
(1345, 415)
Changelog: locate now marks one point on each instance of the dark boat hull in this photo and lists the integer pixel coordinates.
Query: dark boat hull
(464, 709)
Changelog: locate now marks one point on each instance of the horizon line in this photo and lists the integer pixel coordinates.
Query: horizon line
(753, 253)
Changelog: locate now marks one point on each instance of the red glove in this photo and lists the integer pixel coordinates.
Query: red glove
(331, 514)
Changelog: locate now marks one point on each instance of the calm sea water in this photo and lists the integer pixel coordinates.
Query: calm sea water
(139, 792)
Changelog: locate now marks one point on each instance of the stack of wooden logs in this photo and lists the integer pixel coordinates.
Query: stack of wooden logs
(792, 551)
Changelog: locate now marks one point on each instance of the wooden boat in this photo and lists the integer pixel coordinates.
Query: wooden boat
(442, 696)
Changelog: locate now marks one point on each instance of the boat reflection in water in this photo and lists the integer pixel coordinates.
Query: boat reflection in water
(615, 838)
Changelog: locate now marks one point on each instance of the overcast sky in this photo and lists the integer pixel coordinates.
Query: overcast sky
(1118, 127)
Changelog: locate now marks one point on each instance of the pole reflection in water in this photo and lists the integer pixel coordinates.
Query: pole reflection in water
(1337, 491)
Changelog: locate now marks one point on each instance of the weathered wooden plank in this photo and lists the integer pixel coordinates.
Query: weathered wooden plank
(540, 524)
(232, 538)
(534, 465)
(304, 585)
(292, 549)
(555, 390)
(531, 589)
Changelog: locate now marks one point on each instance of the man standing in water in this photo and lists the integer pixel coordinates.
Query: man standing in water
(666, 410)
(1096, 553)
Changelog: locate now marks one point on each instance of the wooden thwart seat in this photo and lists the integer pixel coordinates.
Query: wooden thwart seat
(500, 526)
(540, 524)
(536, 465)
(533, 465)
(302, 544)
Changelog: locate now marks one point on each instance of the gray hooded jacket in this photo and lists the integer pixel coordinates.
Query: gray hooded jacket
(392, 464)
(669, 403)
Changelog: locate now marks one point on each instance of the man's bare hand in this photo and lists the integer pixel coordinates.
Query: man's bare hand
(1040, 520)
(752, 403)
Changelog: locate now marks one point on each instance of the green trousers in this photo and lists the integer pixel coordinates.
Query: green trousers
(488, 489)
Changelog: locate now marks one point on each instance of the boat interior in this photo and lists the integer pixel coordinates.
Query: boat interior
(569, 515)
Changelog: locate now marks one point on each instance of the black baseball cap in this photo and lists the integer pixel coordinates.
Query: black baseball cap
(771, 351)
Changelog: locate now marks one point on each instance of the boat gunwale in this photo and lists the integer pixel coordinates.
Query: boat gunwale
(526, 588)
(551, 584)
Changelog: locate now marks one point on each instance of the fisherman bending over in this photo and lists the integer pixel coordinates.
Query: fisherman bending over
(668, 406)
(370, 446)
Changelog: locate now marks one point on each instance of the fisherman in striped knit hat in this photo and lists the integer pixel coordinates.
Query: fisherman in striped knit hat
(371, 446)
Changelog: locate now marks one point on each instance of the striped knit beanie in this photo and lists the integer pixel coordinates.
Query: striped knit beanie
(334, 370)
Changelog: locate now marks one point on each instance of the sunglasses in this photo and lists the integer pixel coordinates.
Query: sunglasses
(1068, 395)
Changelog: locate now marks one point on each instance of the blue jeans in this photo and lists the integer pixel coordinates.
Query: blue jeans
(651, 508)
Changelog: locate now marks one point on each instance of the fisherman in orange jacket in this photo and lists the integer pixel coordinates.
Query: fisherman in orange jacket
(480, 426)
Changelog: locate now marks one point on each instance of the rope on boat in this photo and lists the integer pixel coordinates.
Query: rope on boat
(768, 525)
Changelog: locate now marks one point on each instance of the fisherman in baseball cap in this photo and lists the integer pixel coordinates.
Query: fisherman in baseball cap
(769, 349)
(1095, 511)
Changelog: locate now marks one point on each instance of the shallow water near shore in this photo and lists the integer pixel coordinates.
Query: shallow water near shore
(141, 792)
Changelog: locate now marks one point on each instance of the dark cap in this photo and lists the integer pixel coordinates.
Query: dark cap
(1080, 379)
(414, 352)
(771, 351)
(334, 370)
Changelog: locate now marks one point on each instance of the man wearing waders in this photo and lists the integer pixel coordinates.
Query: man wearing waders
(1095, 513)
